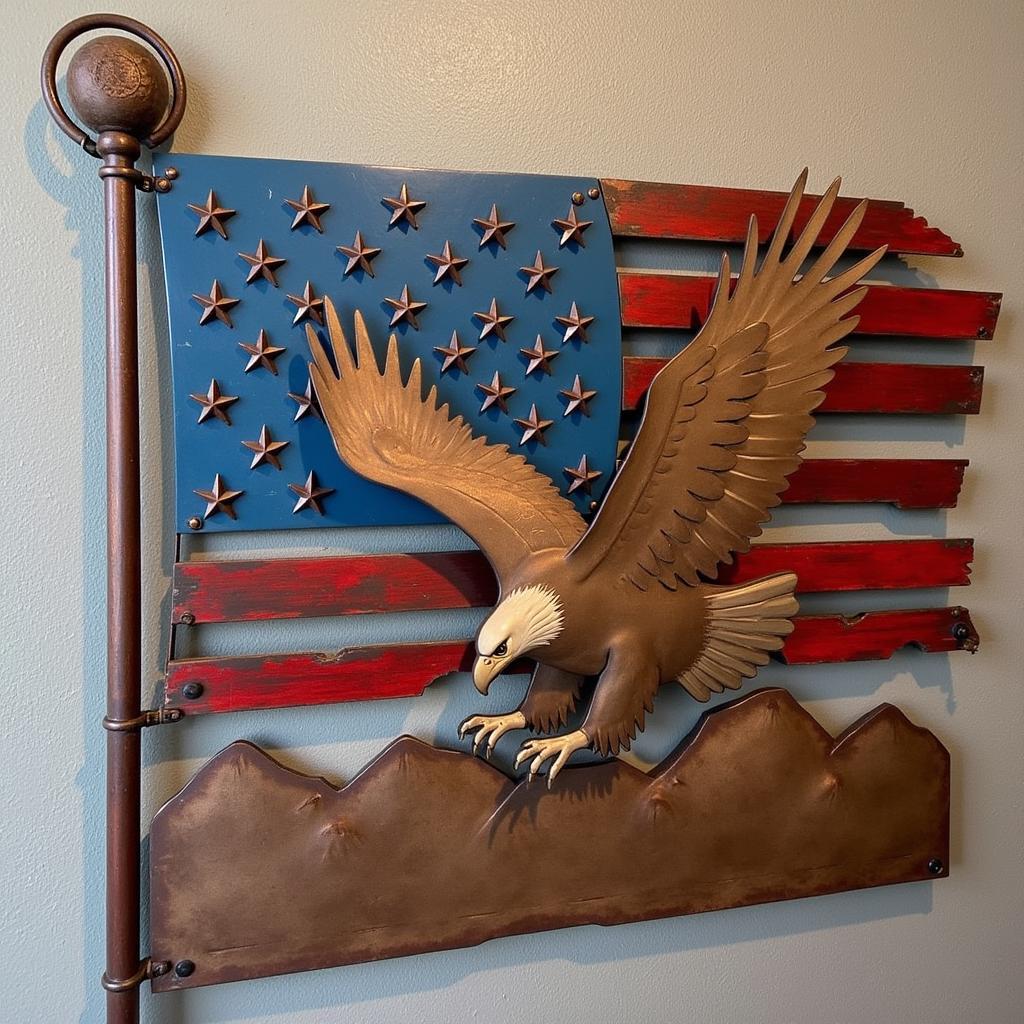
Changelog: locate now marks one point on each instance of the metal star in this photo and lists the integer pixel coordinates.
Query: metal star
(308, 210)
(306, 402)
(219, 498)
(455, 354)
(214, 404)
(495, 393)
(308, 306)
(539, 356)
(265, 449)
(572, 228)
(534, 427)
(360, 255)
(216, 304)
(575, 324)
(448, 265)
(494, 227)
(262, 353)
(405, 309)
(578, 396)
(212, 215)
(309, 494)
(404, 208)
(582, 476)
(538, 275)
(262, 264)
(493, 322)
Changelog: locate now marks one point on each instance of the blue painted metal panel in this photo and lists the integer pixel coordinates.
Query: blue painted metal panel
(256, 189)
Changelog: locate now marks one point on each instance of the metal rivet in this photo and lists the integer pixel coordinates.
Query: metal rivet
(195, 523)
(171, 172)
(982, 332)
(961, 631)
(594, 192)
(187, 619)
(162, 185)
(192, 691)
(577, 198)
(184, 968)
(158, 968)
(935, 866)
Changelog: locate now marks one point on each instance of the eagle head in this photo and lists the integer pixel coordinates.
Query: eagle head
(527, 618)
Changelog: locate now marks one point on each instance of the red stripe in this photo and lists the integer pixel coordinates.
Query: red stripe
(858, 387)
(905, 483)
(288, 588)
(878, 635)
(406, 670)
(704, 213)
(683, 301)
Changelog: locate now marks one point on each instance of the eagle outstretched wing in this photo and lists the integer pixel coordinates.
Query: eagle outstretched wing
(725, 419)
(386, 431)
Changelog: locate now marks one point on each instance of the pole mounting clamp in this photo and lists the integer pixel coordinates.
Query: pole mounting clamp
(158, 716)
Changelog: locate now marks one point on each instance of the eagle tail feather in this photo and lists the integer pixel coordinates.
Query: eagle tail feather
(743, 624)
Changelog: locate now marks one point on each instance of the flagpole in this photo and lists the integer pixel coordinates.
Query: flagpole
(132, 98)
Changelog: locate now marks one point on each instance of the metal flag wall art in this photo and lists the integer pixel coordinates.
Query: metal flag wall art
(356, 346)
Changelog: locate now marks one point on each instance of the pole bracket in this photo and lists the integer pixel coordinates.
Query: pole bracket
(157, 716)
(147, 969)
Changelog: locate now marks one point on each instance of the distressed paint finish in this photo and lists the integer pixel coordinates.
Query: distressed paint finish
(431, 849)
(902, 388)
(905, 483)
(291, 588)
(705, 213)
(264, 681)
(876, 636)
(683, 301)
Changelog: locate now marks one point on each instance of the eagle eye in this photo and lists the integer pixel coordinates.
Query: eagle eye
(502, 649)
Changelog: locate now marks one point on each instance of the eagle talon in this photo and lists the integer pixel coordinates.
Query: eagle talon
(491, 728)
(561, 748)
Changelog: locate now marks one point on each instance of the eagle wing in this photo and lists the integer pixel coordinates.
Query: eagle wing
(385, 431)
(725, 419)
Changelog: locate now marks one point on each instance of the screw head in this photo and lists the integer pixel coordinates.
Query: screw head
(162, 185)
(935, 866)
(171, 172)
(158, 968)
(960, 631)
(594, 192)
(184, 968)
(195, 523)
(982, 332)
(187, 619)
(192, 691)
(577, 198)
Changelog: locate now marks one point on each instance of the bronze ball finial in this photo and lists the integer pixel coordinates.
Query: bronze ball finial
(116, 84)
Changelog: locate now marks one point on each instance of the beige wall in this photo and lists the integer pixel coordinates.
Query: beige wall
(915, 100)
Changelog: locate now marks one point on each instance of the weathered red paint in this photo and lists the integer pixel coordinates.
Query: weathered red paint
(858, 387)
(406, 670)
(878, 635)
(290, 588)
(683, 301)
(905, 483)
(705, 213)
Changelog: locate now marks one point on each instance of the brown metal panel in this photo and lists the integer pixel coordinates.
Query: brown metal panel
(258, 870)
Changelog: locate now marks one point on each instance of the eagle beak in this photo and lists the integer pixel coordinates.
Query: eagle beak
(484, 671)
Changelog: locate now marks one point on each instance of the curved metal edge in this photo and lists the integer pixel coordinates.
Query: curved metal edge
(91, 22)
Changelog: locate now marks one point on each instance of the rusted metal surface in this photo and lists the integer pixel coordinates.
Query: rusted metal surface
(703, 213)
(683, 301)
(258, 870)
(120, 90)
(292, 588)
(896, 388)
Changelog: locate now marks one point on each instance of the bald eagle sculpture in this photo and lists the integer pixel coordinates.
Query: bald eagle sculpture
(629, 599)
